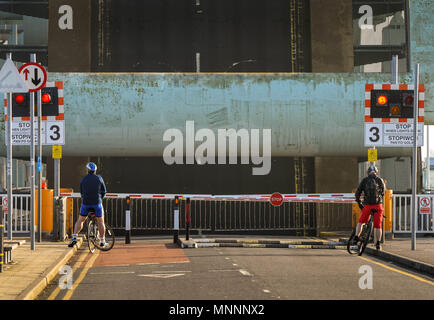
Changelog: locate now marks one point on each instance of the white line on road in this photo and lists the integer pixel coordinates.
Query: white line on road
(245, 273)
(164, 276)
(266, 291)
(169, 271)
(234, 264)
(223, 270)
(118, 272)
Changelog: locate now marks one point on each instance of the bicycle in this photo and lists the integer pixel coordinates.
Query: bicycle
(93, 239)
(365, 235)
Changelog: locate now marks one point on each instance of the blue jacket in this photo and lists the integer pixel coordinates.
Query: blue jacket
(92, 189)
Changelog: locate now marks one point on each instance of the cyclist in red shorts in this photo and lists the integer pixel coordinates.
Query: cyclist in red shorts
(373, 190)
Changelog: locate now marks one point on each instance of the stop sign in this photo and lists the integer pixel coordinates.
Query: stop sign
(276, 199)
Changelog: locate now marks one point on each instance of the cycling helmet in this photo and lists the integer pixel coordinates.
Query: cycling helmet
(372, 169)
(91, 166)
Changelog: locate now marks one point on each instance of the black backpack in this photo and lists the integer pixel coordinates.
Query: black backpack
(372, 191)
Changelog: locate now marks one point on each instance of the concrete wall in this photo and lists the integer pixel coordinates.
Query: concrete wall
(332, 36)
(336, 174)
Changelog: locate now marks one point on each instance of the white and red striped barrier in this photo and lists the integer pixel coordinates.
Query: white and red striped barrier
(318, 197)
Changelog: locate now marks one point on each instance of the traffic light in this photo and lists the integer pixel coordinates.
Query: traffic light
(392, 103)
(50, 101)
(21, 104)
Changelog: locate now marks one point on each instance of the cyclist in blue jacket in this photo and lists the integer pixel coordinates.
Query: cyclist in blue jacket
(93, 190)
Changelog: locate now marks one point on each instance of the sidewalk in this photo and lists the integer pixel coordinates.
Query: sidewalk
(399, 251)
(31, 271)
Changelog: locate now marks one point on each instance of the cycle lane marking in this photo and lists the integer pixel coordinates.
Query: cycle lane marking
(399, 271)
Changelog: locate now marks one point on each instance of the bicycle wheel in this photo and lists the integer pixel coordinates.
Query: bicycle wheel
(351, 245)
(365, 237)
(92, 233)
(109, 238)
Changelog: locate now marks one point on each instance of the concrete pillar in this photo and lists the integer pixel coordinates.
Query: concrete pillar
(332, 36)
(335, 175)
(338, 174)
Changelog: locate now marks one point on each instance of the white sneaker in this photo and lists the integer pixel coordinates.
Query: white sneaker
(103, 244)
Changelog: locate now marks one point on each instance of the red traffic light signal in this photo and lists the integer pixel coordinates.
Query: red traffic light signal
(382, 100)
(46, 98)
(19, 98)
(409, 100)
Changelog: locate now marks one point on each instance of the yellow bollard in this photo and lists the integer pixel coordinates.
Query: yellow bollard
(388, 210)
(47, 210)
(69, 211)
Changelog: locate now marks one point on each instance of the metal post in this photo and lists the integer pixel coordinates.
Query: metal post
(32, 164)
(56, 220)
(127, 222)
(428, 166)
(9, 159)
(39, 115)
(395, 80)
(414, 177)
(176, 220)
(187, 224)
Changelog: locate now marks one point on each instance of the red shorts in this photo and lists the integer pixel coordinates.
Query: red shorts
(378, 216)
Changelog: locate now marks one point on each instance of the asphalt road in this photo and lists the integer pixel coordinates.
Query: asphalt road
(158, 270)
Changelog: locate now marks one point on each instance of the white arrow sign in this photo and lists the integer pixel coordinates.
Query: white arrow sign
(10, 79)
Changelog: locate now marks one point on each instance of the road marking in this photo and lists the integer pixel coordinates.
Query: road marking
(56, 291)
(223, 270)
(169, 271)
(399, 271)
(245, 273)
(234, 264)
(163, 276)
(114, 272)
(89, 264)
(266, 291)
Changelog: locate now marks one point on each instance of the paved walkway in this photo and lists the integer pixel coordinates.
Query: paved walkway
(402, 246)
(31, 270)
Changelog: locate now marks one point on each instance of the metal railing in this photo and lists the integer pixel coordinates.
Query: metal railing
(20, 214)
(402, 217)
(301, 217)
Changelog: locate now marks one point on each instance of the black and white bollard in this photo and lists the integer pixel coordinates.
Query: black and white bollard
(187, 222)
(127, 222)
(176, 220)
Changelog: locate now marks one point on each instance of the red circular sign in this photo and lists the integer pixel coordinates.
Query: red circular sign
(34, 75)
(276, 199)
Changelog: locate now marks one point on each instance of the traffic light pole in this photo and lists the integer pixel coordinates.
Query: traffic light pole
(9, 161)
(39, 106)
(414, 177)
(32, 164)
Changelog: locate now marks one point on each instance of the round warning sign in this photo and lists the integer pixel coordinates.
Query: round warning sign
(276, 199)
(425, 205)
(5, 204)
(34, 76)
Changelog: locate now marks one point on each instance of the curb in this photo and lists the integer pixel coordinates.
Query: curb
(182, 243)
(232, 243)
(37, 286)
(402, 261)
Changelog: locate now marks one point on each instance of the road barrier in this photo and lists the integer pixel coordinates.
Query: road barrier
(402, 218)
(304, 214)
